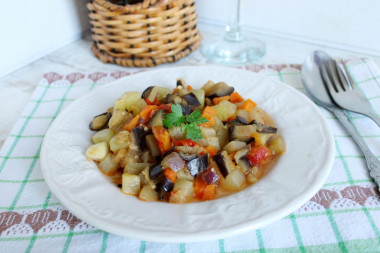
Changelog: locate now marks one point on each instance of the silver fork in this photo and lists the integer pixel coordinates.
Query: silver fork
(345, 92)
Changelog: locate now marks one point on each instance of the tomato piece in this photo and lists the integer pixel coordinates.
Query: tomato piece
(166, 107)
(186, 142)
(259, 155)
(155, 101)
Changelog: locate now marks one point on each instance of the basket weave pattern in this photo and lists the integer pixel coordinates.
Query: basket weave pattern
(145, 34)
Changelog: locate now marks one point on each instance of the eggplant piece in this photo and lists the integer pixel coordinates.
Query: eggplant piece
(239, 121)
(192, 100)
(139, 135)
(187, 157)
(241, 133)
(100, 121)
(245, 163)
(156, 174)
(173, 161)
(157, 119)
(198, 165)
(220, 89)
(261, 128)
(163, 195)
(181, 82)
(169, 99)
(146, 92)
(210, 176)
(224, 163)
(165, 184)
(152, 146)
(186, 110)
(164, 187)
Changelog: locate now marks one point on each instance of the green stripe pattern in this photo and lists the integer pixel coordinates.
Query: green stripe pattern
(349, 171)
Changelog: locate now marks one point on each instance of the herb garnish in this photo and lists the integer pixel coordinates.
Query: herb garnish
(189, 123)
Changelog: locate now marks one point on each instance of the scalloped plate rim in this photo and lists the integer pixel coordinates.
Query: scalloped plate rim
(210, 234)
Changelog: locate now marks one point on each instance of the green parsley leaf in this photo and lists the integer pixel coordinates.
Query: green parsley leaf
(196, 117)
(177, 109)
(193, 132)
(188, 123)
(175, 118)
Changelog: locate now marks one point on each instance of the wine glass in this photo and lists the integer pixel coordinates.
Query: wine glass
(234, 47)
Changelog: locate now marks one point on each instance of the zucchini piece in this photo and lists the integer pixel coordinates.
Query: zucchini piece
(131, 184)
(220, 89)
(130, 98)
(241, 133)
(148, 194)
(207, 87)
(176, 133)
(277, 145)
(233, 146)
(135, 168)
(138, 106)
(107, 166)
(103, 135)
(234, 181)
(119, 140)
(225, 110)
(182, 192)
(207, 132)
(97, 152)
(158, 118)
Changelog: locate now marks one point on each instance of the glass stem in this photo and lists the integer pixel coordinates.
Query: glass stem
(233, 32)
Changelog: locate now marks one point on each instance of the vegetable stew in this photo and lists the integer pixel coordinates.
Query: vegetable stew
(184, 145)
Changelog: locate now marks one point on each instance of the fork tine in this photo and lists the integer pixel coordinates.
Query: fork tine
(349, 78)
(342, 77)
(332, 69)
(327, 79)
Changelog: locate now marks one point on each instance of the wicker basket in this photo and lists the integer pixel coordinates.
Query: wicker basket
(145, 34)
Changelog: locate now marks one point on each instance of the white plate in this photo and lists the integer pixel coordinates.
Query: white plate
(297, 176)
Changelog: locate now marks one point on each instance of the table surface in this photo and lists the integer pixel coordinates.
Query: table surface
(355, 197)
(17, 87)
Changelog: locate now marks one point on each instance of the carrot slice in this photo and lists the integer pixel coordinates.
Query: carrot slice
(209, 113)
(209, 192)
(170, 174)
(163, 139)
(217, 100)
(199, 187)
(236, 98)
(211, 150)
(248, 105)
(132, 123)
(189, 87)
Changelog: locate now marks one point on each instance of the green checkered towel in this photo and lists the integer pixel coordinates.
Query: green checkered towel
(344, 216)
